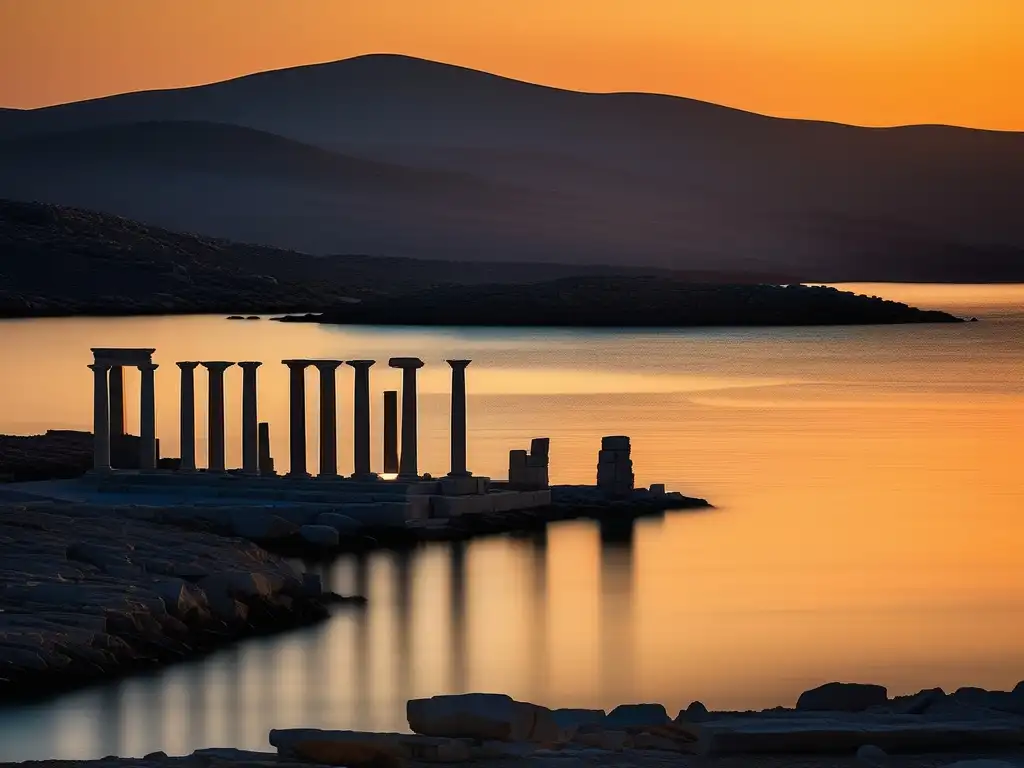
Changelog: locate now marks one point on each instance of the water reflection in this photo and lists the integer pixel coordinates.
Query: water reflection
(237, 696)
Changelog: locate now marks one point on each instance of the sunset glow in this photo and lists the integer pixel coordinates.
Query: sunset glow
(870, 62)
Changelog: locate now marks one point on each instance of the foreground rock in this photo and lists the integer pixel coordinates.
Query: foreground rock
(479, 726)
(85, 595)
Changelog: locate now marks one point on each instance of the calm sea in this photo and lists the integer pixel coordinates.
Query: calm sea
(869, 521)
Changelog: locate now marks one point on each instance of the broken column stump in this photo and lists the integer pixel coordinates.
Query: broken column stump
(615, 468)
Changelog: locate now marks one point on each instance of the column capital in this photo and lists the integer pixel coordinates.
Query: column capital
(250, 365)
(456, 364)
(297, 363)
(100, 366)
(326, 365)
(148, 366)
(405, 362)
(365, 364)
(216, 366)
(187, 365)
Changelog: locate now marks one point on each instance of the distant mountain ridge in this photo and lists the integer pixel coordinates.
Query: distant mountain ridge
(476, 167)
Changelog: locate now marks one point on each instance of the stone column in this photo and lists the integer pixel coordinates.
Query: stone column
(215, 417)
(297, 417)
(407, 463)
(147, 417)
(100, 418)
(266, 461)
(458, 435)
(328, 417)
(188, 416)
(250, 419)
(117, 421)
(391, 432)
(361, 419)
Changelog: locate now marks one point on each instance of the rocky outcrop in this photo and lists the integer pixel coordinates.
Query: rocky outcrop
(481, 726)
(86, 594)
(842, 697)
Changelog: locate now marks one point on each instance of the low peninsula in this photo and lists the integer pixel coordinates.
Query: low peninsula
(626, 302)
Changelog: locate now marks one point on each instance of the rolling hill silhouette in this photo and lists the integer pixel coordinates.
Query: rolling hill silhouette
(430, 160)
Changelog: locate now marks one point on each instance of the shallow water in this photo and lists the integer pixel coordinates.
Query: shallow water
(869, 521)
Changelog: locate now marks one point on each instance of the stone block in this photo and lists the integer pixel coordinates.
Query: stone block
(657, 489)
(537, 461)
(484, 716)
(505, 501)
(483, 484)
(612, 457)
(455, 506)
(388, 514)
(459, 486)
(842, 697)
(615, 443)
(540, 447)
(517, 459)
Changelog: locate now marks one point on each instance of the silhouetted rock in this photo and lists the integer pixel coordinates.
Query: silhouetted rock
(842, 697)
(633, 715)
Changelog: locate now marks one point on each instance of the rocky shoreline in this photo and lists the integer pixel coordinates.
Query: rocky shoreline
(834, 725)
(86, 596)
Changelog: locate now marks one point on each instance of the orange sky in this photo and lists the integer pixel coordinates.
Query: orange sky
(872, 62)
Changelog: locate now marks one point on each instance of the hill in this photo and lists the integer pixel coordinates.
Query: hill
(65, 261)
(560, 176)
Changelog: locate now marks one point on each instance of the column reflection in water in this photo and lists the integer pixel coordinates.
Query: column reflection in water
(538, 661)
(361, 672)
(457, 616)
(111, 730)
(403, 626)
(616, 611)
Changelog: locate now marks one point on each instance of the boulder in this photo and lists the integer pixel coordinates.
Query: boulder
(636, 715)
(695, 713)
(320, 535)
(483, 716)
(842, 697)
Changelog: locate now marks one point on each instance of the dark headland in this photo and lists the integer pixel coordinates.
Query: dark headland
(627, 302)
